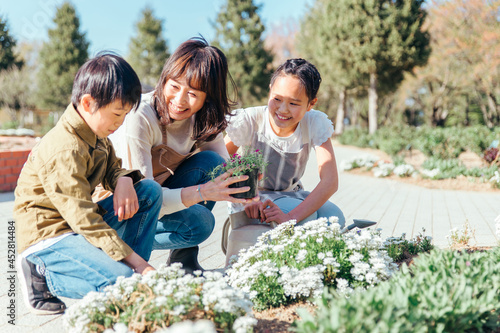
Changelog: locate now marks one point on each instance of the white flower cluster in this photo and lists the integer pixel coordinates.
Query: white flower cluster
(172, 289)
(200, 326)
(430, 173)
(379, 266)
(358, 162)
(383, 169)
(306, 282)
(496, 179)
(299, 281)
(404, 170)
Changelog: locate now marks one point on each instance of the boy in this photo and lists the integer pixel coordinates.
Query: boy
(68, 244)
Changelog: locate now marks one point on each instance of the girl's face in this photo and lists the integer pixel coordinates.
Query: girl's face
(182, 100)
(288, 103)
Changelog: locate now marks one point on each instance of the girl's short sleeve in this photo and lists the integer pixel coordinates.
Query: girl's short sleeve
(320, 127)
(242, 124)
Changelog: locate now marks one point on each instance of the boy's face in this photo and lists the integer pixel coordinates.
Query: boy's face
(107, 119)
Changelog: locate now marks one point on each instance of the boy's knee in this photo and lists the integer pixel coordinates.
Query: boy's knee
(151, 188)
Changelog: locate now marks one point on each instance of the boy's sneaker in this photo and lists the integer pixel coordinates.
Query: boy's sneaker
(36, 294)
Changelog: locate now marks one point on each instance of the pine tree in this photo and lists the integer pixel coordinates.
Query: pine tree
(148, 50)
(7, 44)
(239, 35)
(60, 59)
(377, 41)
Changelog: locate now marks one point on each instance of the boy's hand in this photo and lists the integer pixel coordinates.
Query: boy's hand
(137, 264)
(125, 202)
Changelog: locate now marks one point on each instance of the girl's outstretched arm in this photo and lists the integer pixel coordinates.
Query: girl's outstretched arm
(327, 186)
(230, 146)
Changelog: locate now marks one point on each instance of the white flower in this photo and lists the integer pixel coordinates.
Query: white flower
(343, 287)
(404, 170)
(383, 169)
(200, 326)
(244, 324)
(301, 256)
(430, 173)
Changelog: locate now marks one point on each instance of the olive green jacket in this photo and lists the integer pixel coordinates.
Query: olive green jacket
(53, 193)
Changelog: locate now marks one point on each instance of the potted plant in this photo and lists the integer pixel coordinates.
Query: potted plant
(250, 163)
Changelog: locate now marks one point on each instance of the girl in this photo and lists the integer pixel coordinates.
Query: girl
(285, 131)
(175, 138)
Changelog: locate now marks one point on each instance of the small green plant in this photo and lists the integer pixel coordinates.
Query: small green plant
(241, 164)
(460, 238)
(401, 249)
(443, 291)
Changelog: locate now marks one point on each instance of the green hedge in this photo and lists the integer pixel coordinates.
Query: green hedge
(444, 291)
(443, 143)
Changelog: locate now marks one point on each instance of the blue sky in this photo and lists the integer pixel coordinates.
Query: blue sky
(109, 24)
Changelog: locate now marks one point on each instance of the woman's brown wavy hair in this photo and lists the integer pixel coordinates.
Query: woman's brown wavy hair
(204, 68)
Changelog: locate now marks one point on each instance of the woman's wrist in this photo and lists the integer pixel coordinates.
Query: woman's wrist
(202, 197)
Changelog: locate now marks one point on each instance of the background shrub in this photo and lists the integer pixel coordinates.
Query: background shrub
(444, 291)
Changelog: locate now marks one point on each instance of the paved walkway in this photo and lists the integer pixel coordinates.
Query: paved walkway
(397, 207)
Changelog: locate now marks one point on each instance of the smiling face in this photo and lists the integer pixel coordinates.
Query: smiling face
(288, 103)
(182, 100)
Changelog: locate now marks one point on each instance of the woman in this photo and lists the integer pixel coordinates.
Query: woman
(175, 137)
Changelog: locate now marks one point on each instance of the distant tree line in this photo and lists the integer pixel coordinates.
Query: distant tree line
(383, 62)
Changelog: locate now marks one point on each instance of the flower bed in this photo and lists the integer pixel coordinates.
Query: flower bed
(431, 169)
(159, 299)
(444, 291)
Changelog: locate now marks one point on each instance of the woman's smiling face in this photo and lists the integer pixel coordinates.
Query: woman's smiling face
(182, 100)
(288, 103)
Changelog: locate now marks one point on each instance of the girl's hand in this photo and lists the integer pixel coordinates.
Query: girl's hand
(272, 213)
(218, 189)
(254, 210)
(125, 202)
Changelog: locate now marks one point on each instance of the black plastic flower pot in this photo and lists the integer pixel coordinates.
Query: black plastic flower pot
(252, 181)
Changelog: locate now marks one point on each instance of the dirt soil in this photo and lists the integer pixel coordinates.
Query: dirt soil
(279, 319)
(416, 158)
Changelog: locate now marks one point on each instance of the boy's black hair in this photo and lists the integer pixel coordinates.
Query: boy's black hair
(107, 77)
(304, 71)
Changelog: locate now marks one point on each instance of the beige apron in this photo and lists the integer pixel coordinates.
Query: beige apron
(165, 159)
(283, 173)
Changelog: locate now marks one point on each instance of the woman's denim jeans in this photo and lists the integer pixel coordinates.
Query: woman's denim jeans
(74, 267)
(193, 225)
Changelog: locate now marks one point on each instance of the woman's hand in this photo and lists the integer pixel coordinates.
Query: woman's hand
(219, 190)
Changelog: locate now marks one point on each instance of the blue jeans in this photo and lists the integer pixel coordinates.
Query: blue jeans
(193, 225)
(74, 267)
(287, 204)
